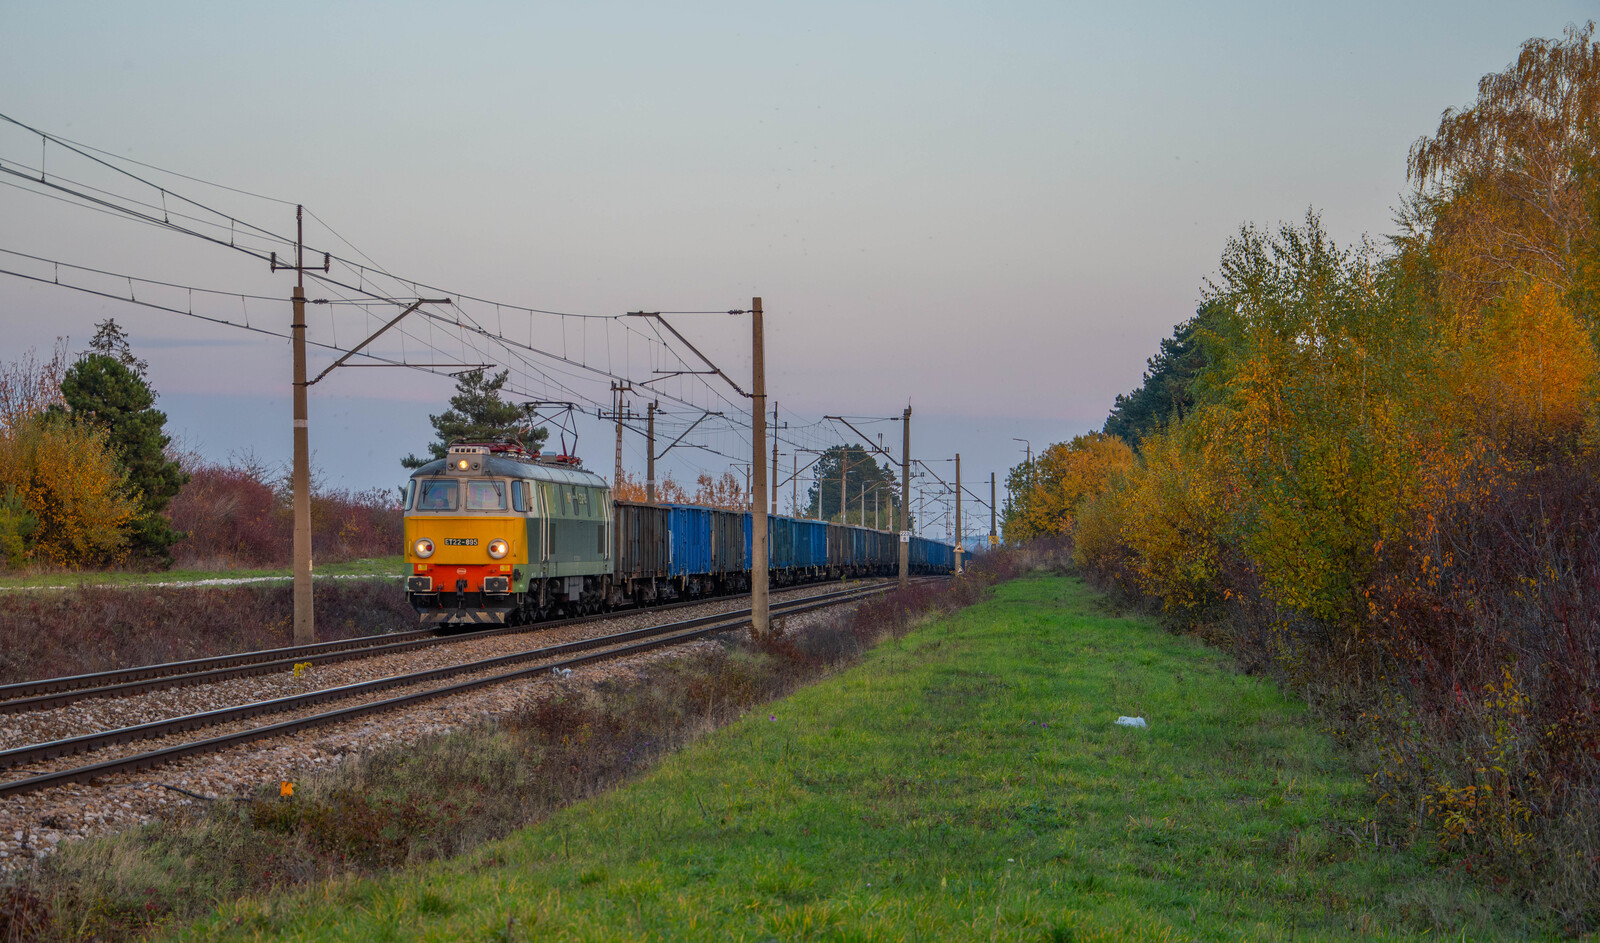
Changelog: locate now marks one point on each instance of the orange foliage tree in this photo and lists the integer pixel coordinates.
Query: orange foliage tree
(1503, 186)
(631, 488)
(1060, 479)
(66, 476)
(64, 498)
(724, 491)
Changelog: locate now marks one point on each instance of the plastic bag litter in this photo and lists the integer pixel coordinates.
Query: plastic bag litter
(1131, 722)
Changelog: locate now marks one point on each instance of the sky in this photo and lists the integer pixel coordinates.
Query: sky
(991, 211)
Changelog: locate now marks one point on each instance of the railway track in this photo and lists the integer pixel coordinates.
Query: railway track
(563, 656)
(123, 682)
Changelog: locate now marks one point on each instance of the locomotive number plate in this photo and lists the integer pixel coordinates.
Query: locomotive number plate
(461, 541)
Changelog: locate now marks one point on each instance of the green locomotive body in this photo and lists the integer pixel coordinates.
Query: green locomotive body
(497, 535)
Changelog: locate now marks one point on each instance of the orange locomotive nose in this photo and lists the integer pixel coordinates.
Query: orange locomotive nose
(472, 576)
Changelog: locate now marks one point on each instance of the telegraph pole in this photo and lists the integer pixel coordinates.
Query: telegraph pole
(650, 465)
(905, 498)
(305, 628)
(758, 512)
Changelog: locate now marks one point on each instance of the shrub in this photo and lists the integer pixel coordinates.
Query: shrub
(1487, 621)
(229, 517)
(239, 515)
(67, 478)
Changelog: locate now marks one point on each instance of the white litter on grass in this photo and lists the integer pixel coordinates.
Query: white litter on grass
(1131, 722)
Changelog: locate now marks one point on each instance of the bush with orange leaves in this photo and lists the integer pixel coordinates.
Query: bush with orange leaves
(1157, 529)
(66, 477)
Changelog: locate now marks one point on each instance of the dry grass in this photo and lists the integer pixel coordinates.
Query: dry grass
(74, 631)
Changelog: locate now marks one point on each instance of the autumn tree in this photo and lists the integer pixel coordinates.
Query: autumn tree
(1504, 187)
(631, 488)
(723, 491)
(106, 387)
(29, 385)
(1046, 503)
(478, 413)
(63, 476)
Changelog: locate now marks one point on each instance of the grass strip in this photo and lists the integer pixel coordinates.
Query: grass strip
(966, 782)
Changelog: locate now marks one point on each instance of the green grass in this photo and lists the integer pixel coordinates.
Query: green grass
(385, 567)
(967, 782)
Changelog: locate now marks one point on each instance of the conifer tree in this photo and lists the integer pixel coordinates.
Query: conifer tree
(865, 479)
(477, 413)
(107, 387)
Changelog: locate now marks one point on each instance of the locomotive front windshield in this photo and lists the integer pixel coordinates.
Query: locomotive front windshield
(437, 494)
(486, 495)
(446, 494)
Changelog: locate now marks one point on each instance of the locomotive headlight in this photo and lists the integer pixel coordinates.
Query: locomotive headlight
(461, 464)
(498, 548)
(423, 547)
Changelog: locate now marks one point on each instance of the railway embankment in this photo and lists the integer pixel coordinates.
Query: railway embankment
(99, 627)
(968, 780)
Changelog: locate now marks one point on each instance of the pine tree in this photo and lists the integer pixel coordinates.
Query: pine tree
(477, 413)
(864, 479)
(111, 340)
(106, 387)
(1167, 393)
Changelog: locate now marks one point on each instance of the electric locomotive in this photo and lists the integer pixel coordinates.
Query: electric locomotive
(495, 534)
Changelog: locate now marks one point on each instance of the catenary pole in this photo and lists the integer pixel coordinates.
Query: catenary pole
(616, 403)
(650, 463)
(959, 546)
(905, 498)
(758, 512)
(844, 479)
(305, 627)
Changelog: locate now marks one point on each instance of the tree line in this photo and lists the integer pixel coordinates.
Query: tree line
(90, 479)
(1372, 469)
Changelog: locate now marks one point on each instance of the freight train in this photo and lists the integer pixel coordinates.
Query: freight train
(498, 535)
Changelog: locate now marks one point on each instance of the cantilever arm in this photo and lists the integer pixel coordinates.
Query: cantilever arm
(354, 350)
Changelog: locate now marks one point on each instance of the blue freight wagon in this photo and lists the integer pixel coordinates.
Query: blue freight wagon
(796, 549)
(708, 549)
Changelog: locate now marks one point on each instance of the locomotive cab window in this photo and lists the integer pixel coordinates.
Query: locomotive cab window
(437, 494)
(411, 494)
(518, 502)
(486, 495)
